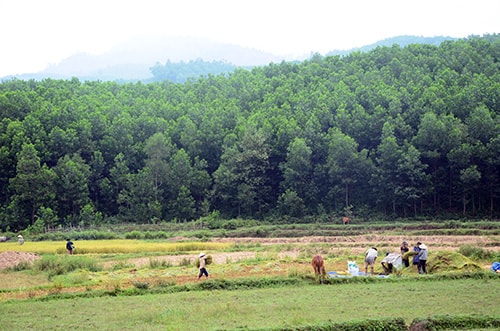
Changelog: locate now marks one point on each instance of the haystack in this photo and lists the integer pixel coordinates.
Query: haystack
(450, 261)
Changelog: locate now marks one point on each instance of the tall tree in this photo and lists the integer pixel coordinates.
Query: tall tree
(33, 184)
(72, 186)
(298, 170)
(346, 167)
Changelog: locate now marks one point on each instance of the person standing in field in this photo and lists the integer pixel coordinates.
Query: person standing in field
(405, 249)
(69, 246)
(203, 269)
(370, 257)
(416, 249)
(20, 239)
(422, 258)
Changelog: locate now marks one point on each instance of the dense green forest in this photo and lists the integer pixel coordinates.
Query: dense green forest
(182, 71)
(396, 131)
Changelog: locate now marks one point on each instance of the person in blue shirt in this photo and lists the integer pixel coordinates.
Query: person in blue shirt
(69, 246)
(415, 257)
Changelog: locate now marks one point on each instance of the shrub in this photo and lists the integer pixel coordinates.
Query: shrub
(388, 324)
(141, 285)
(475, 252)
(134, 235)
(457, 322)
(58, 265)
(23, 265)
(185, 262)
(158, 263)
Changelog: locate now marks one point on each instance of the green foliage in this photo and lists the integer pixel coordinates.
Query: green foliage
(158, 263)
(58, 265)
(386, 324)
(456, 322)
(23, 265)
(182, 71)
(475, 252)
(141, 285)
(370, 133)
(134, 235)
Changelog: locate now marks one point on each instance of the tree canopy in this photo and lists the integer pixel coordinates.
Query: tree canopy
(399, 131)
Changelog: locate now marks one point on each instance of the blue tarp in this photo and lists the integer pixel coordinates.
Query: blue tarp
(333, 274)
(495, 267)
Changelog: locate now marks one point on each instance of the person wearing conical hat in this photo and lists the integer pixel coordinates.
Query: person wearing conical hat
(422, 258)
(203, 269)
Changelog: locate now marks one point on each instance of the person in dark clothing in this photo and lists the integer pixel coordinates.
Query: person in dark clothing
(203, 263)
(405, 249)
(415, 257)
(69, 246)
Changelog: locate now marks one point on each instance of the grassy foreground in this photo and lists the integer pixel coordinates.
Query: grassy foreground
(286, 306)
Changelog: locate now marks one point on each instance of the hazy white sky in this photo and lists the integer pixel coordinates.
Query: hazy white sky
(34, 33)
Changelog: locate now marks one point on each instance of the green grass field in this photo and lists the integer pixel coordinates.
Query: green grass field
(257, 284)
(257, 308)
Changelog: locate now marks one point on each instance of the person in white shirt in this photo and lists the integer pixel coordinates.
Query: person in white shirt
(203, 269)
(370, 257)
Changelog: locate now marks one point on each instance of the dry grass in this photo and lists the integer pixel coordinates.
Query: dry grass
(123, 246)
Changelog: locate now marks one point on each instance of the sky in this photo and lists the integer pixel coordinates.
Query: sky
(37, 33)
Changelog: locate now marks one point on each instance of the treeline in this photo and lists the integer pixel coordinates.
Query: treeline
(182, 71)
(396, 131)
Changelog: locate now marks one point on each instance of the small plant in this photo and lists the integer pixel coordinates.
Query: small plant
(161, 282)
(121, 265)
(141, 285)
(58, 265)
(56, 288)
(185, 262)
(475, 252)
(23, 265)
(158, 263)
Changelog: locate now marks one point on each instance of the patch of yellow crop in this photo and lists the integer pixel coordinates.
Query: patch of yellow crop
(112, 246)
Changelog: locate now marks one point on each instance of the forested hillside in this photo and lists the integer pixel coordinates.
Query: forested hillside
(403, 132)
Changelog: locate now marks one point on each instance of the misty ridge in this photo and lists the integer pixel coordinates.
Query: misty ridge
(177, 59)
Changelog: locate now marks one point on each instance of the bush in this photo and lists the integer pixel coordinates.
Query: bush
(134, 235)
(457, 322)
(389, 324)
(158, 263)
(141, 285)
(475, 252)
(58, 265)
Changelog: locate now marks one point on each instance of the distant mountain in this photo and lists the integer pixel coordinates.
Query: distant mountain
(401, 41)
(133, 60)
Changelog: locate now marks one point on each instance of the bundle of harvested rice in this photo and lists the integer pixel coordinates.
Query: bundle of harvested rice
(208, 260)
(408, 254)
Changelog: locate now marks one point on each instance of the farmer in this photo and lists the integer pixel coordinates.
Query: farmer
(416, 249)
(370, 257)
(422, 258)
(20, 239)
(203, 269)
(404, 249)
(69, 246)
